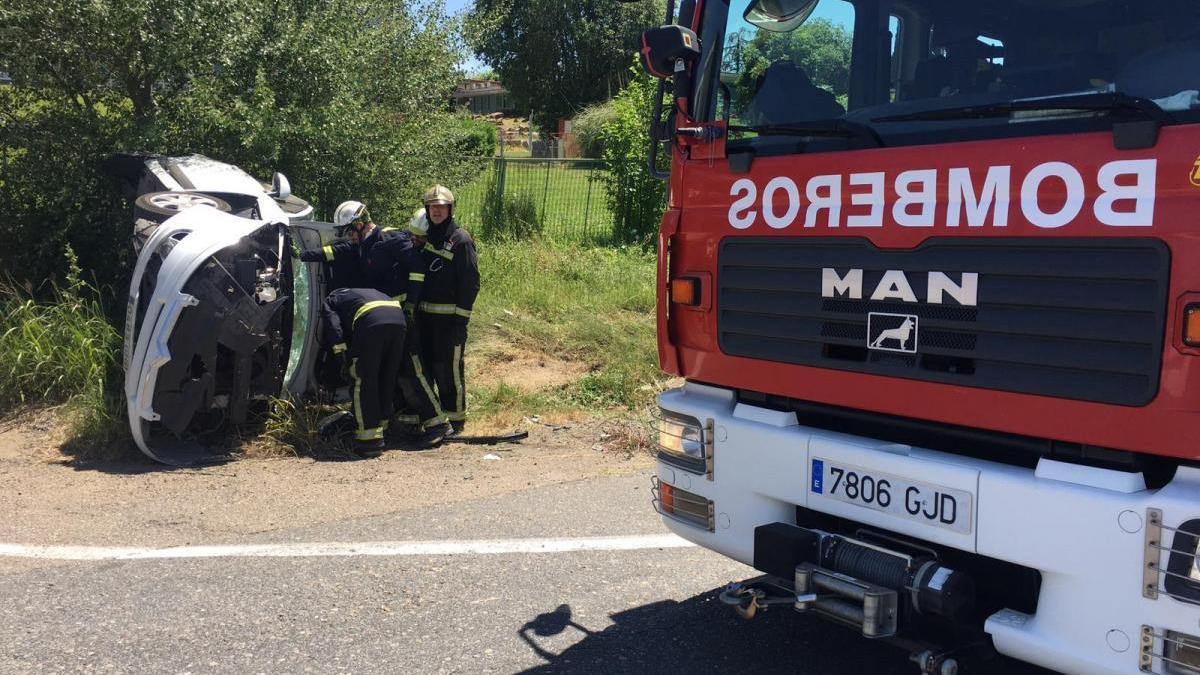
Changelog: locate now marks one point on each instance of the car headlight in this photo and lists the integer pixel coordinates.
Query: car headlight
(684, 441)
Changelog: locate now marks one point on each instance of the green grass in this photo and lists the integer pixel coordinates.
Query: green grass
(588, 305)
(592, 307)
(569, 199)
(62, 351)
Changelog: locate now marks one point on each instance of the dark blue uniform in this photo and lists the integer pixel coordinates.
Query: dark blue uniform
(404, 280)
(343, 262)
(368, 327)
(451, 286)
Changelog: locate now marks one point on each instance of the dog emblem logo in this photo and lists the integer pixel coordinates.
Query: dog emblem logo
(892, 332)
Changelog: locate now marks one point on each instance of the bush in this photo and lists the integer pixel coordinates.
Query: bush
(634, 196)
(511, 216)
(589, 129)
(268, 85)
(477, 138)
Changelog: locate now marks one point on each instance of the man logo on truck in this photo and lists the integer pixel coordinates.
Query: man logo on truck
(894, 285)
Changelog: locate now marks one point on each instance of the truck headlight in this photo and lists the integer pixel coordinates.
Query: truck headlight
(684, 441)
(1181, 652)
(1183, 566)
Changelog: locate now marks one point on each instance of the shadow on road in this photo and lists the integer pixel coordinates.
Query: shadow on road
(701, 635)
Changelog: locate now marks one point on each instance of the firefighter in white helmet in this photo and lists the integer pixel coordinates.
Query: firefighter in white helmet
(451, 285)
(351, 222)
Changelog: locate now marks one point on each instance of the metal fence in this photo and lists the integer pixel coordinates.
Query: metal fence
(561, 199)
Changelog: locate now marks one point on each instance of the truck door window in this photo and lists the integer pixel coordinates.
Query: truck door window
(782, 78)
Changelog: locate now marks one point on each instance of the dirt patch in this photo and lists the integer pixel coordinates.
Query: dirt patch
(496, 362)
(51, 500)
(32, 435)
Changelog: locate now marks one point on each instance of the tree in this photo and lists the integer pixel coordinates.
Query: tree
(557, 57)
(637, 198)
(346, 97)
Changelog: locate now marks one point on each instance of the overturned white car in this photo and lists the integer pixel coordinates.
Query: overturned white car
(220, 316)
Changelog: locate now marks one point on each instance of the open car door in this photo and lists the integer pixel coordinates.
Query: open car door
(221, 317)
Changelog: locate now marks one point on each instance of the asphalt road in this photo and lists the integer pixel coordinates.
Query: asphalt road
(650, 610)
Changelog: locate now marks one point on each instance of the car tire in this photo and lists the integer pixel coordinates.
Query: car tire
(158, 206)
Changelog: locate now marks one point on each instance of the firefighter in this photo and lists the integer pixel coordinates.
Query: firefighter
(366, 327)
(358, 261)
(350, 220)
(451, 284)
(426, 424)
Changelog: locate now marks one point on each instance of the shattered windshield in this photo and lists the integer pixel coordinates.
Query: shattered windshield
(302, 288)
(787, 68)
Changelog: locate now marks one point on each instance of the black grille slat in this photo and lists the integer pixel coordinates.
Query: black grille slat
(943, 312)
(1007, 319)
(1049, 320)
(1063, 383)
(1117, 261)
(1014, 350)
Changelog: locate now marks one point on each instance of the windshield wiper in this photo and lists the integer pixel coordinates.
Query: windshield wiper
(838, 128)
(1101, 101)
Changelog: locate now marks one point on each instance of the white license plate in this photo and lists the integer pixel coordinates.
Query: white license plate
(913, 500)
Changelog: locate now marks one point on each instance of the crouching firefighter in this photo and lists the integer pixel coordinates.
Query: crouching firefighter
(451, 285)
(366, 327)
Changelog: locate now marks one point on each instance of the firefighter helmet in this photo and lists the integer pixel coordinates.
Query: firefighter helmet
(438, 194)
(419, 225)
(350, 212)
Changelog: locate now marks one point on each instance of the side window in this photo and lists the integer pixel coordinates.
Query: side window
(895, 26)
(785, 74)
(958, 60)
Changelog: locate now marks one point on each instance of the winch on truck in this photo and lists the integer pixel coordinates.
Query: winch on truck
(931, 274)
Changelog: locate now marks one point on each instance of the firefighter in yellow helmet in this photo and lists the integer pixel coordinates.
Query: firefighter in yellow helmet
(451, 284)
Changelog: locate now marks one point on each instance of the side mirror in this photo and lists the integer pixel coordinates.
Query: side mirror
(280, 187)
(666, 46)
(779, 16)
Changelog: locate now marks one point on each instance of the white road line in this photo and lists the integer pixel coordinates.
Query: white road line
(333, 549)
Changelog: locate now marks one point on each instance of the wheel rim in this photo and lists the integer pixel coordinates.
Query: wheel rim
(178, 201)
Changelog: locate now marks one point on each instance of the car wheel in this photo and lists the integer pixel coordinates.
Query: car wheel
(158, 206)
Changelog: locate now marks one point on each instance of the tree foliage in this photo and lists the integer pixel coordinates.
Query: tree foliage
(636, 197)
(556, 57)
(346, 97)
(819, 46)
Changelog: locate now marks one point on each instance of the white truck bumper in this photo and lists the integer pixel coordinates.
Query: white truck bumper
(1085, 529)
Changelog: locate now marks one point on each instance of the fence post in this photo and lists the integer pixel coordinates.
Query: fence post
(500, 171)
(545, 193)
(587, 206)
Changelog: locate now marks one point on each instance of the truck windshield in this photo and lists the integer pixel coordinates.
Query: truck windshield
(925, 71)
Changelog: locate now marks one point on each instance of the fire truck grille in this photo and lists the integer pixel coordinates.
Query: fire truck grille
(1072, 318)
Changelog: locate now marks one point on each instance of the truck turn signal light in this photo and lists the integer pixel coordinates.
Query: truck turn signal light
(686, 291)
(1191, 325)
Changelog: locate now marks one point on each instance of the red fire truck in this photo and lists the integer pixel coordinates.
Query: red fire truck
(930, 270)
